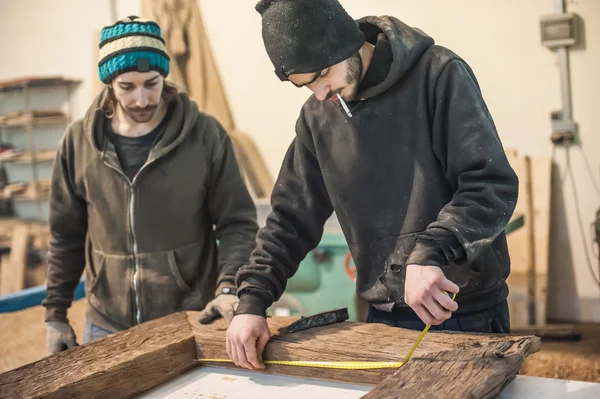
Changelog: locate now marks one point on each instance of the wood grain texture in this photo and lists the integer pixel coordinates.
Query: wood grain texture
(351, 341)
(469, 372)
(118, 366)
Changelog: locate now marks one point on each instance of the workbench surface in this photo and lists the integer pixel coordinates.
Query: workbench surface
(211, 382)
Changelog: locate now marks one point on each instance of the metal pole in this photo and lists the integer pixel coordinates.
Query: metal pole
(563, 66)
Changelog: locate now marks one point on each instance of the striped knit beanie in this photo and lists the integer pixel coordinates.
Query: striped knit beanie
(131, 44)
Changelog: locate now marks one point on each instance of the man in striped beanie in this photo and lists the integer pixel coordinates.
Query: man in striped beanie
(146, 197)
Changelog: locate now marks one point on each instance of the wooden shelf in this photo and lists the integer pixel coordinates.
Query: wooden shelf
(19, 84)
(39, 230)
(38, 117)
(27, 192)
(24, 157)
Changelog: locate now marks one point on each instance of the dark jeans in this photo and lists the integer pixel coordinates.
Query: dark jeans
(92, 332)
(492, 320)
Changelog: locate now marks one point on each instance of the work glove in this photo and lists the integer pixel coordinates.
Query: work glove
(59, 336)
(223, 305)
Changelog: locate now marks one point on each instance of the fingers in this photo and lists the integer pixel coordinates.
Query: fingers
(445, 301)
(439, 314)
(71, 343)
(423, 314)
(252, 356)
(448, 285)
(208, 314)
(233, 355)
(228, 348)
(56, 348)
(261, 343)
(232, 351)
(242, 357)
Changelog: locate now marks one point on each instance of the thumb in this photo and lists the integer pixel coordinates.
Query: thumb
(208, 314)
(56, 347)
(261, 343)
(71, 343)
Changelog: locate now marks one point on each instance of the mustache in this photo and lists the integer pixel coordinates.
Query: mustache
(144, 109)
(332, 94)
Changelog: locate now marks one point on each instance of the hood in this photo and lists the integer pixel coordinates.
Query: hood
(183, 118)
(408, 44)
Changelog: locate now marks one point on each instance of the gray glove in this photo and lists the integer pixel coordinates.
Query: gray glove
(224, 305)
(59, 336)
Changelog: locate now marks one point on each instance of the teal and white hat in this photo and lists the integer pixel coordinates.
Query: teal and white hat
(131, 44)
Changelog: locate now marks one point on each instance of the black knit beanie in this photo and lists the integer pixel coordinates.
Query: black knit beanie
(306, 36)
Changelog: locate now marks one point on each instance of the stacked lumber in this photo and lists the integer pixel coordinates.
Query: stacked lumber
(27, 191)
(35, 81)
(15, 272)
(23, 157)
(40, 232)
(13, 266)
(529, 245)
(127, 363)
(33, 117)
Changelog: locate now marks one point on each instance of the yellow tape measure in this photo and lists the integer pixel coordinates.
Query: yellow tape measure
(338, 365)
(323, 365)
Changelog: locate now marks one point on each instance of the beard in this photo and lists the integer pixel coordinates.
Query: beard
(354, 74)
(139, 114)
(353, 78)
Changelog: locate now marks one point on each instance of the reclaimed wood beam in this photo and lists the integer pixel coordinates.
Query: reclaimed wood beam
(118, 366)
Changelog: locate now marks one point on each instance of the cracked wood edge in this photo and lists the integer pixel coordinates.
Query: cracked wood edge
(469, 372)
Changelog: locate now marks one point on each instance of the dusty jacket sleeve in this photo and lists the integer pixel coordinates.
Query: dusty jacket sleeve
(232, 211)
(467, 144)
(300, 207)
(68, 230)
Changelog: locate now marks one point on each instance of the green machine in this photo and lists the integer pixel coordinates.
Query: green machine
(321, 283)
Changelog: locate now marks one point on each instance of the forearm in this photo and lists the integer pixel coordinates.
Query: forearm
(301, 206)
(64, 273)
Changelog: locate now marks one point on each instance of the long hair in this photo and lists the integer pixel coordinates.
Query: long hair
(109, 103)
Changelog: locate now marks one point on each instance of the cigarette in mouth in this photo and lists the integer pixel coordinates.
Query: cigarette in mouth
(344, 105)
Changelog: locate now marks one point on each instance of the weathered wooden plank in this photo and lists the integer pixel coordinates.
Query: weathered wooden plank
(133, 361)
(348, 341)
(469, 372)
(118, 366)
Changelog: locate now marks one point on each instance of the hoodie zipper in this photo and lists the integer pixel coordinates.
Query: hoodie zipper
(136, 265)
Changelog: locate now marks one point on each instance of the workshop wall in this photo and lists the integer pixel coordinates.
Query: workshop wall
(500, 40)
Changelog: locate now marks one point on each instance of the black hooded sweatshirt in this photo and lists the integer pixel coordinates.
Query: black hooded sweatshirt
(417, 175)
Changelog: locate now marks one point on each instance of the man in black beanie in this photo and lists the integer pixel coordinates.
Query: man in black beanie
(398, 141)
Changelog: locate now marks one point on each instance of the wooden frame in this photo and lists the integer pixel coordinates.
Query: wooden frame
(136, 360)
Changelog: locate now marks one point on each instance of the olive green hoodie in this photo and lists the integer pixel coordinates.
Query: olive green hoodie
(167, 241)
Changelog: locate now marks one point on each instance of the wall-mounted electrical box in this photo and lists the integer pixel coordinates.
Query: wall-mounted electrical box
(559, 30)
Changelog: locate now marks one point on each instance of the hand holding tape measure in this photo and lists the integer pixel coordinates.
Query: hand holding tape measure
(325, 318)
